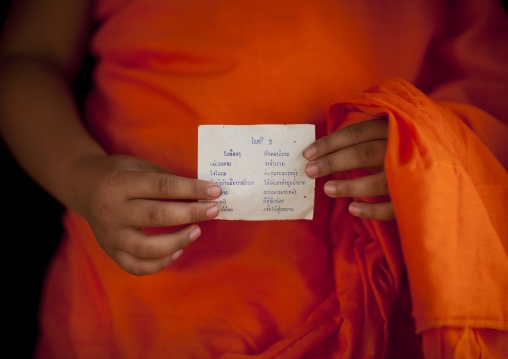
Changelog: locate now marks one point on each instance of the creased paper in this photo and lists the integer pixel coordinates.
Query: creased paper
(260, 169)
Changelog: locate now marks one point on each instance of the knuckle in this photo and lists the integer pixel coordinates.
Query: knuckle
(142, 249)
(355, 131)
(364, 154)
(326, 164)
(323, 144)
(195, 214)
(157, 215)
(100, 208)
(115, 179)
(117, 174)
(373, 211)
(111, 187)
(196, 188)
(165, 184)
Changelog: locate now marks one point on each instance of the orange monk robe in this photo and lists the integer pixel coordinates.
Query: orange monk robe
(334, 286)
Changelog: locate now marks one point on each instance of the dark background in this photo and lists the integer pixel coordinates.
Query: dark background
(31, 229)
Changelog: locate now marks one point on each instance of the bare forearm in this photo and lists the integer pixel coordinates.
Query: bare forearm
(40, 124)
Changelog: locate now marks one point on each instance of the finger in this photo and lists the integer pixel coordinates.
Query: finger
(348, 136)
(152, 213)
(158, 185)
(367, 186)
(140, 245)
(368, 154)
(379, 211)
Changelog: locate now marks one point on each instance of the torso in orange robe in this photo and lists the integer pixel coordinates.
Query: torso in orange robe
(244, 288)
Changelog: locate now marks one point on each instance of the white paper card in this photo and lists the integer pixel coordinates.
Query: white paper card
(260, 169)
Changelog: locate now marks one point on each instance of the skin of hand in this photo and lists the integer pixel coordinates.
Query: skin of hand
(40, 53)
(361, 145)
(119, 195)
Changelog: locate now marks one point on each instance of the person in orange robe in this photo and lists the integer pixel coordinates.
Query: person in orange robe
(407, 253)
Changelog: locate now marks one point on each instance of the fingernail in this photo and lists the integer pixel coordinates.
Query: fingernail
(212, 211)
(330, 189)
(175, 255)
(309, 152)
(194, 234)
(355, 209)
(311, 169)
(214, 191)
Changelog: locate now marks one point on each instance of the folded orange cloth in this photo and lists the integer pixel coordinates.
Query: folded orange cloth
(451, 201)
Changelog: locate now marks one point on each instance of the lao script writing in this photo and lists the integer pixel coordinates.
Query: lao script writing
(260, 169)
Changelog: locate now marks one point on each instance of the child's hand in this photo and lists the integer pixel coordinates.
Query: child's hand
(362, 145)
(118, 195)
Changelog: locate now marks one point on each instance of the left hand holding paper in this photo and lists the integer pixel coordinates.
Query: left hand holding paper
(361, 145)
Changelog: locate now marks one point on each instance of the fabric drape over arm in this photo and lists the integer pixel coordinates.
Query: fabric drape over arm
(450, 195)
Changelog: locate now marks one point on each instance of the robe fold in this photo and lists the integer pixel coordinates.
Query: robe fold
(433, 283)
(450, 196)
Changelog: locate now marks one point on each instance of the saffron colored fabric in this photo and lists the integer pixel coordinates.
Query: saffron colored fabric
(434, 283)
